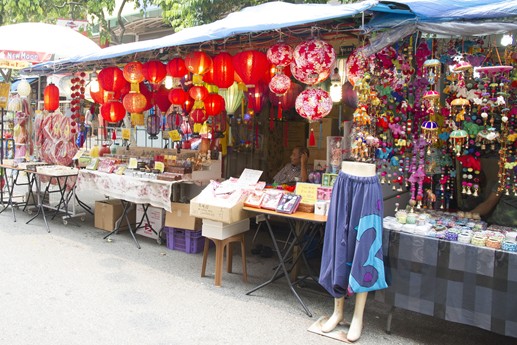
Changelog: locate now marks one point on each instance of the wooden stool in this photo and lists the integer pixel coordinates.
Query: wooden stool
(220, 245)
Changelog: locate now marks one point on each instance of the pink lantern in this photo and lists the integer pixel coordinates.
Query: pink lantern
(313, 104)
(308, 77)
(314, 56)
(279, 84)
(280, 54)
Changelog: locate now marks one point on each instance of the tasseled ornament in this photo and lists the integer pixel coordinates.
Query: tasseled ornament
(312, 139)
(279, 111)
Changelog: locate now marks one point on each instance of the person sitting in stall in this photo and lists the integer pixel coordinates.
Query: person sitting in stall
(296, 170)
(499, 208)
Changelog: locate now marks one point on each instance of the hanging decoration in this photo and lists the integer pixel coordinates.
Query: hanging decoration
(153, 124)
(256, 97)
(232, 98)
(24, 88)
(133, 72)
(113, 111)
(250, 65)
(198, 63)
(51, 97)
(178, 96)
(161, 98)
(176, 68)
(313, 104)
(223, 70)
(154, 72)
(214, 104)
(280, 55)
(111, 79)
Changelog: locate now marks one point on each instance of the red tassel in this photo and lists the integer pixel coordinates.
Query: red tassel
(312, 139)
(280, 110)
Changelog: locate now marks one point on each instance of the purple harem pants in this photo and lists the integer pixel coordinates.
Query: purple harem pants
(352, 249)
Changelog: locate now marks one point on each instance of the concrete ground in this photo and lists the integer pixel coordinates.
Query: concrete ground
(70, 286)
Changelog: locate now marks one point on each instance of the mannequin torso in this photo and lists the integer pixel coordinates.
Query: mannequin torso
(358, 168)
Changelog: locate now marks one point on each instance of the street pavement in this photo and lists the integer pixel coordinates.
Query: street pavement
(70, 286)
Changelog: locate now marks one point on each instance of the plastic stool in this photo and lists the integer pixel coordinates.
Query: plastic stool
(220, 245)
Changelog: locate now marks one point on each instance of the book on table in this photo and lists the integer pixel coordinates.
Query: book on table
(271, 199)
(288, 203)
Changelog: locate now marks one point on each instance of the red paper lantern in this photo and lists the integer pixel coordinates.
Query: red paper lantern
(198, 115)
(187, 106)
(256, 97)
(133, 72)
(250, 65)
(198, 62)
(198, 93)
(279, 84)
(113, 111)
(176, 68)
(51, 97)
(223, 70)
(214, 104)
(208, 77)
(161, 98)
(314, 56)
(134, 102)
(154, 71)
(313, 104)
(112, 79)
(280, 54)
(144, 90)
(177, 96)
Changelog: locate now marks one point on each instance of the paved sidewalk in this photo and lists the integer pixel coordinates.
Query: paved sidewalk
(70, 286)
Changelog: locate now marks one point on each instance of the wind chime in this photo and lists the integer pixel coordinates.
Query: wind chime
(430, 103)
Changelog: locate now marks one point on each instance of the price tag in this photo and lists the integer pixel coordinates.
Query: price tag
(126, 133)
(175, 135)
(133, 163)
(159, 165)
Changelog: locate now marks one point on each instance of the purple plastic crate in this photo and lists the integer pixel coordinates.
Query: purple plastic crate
(187, 241)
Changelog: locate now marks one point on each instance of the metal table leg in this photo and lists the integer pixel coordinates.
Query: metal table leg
(126, 207)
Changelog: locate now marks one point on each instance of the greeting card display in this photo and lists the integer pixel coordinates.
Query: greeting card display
(289, 203)
(271, 199)
(254, 199)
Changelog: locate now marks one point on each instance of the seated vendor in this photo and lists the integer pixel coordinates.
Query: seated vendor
(296, 170)
(499, 208)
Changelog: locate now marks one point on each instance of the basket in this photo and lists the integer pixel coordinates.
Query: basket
(187, 241)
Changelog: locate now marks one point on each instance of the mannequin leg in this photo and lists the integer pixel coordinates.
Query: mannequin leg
(336, 317)
(356, 326)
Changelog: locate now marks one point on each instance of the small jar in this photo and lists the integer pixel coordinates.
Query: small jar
(411, 218)
(401, 217)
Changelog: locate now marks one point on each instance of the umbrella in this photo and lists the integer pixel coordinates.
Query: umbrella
(24, 44)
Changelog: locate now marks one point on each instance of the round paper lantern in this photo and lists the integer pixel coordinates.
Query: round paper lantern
(223, 70)
(287, 100)
(188, 104)
(24, 88)
(232, 98)
(313, 104)
(250, 65)
(113, 111)
(198, 93)
(280, 54)
(177, 96)
(214, 104)
(111, 79)
(161, 98)
(134, 102)
(198, 62)
(51, 97)
(349, 95)
(154, 71)
(133, 72)
(176, 68)
(198, 115)
(97, 96)
(279, 84)
(256, 97)
(314, 56)
(144, 90)
(153, 126)
(208, 77)
(308, 77)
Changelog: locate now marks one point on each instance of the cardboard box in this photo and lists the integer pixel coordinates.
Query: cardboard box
(180, 217)
(225, 214)
(221, 231)
(156, 221)
(108, 211)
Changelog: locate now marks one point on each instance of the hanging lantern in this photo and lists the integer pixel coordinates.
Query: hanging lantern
(24, 88)
(214, 104)
(250, 65)
(113, 111)
(153, 126)
(111, 79)
(208, 77)
(314, 56)
(279, 84)
(223, 70)
(154, 72)
(198, 93)
(198, 115)
(307, 76)
(198, 63)
(161, 98)
(176, 68)
(287, 100)
(459, 108)
(188, 105)
(430, 131)
(280, 55)
(313, 104)
(134, 102)
(458, 138)
(256, 97)
(173, 120)
(51, 97)
(433, 71)
(177, 96)
(232, 98)
(133, 72)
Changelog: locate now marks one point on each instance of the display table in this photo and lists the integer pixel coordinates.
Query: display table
(11, 174)
(303, 234)
(452, 281)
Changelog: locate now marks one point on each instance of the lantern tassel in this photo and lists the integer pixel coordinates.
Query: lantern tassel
(280, 110)
(312, 139)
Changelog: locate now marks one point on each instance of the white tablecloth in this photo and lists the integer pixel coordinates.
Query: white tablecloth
(136, 190)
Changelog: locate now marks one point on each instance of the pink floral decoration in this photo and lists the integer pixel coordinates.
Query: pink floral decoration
(279, 84)
(308, 77)
(313, 104)
(280, 54)
(314, 56)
